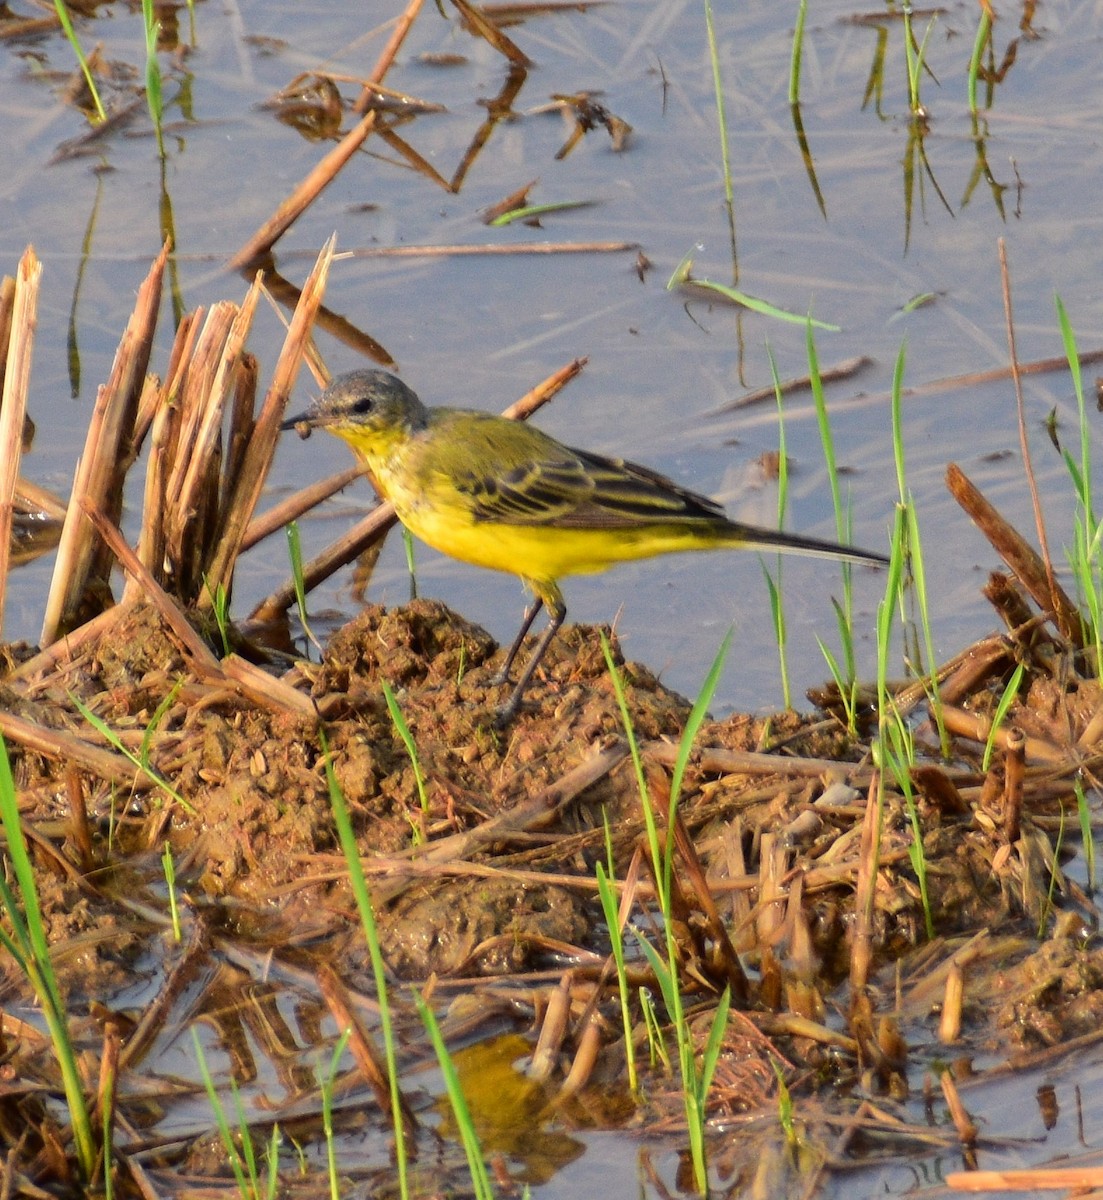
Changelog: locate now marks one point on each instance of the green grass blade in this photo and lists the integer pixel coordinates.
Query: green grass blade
(476, 1163)
(984, 34)
(718, 88)
(295, 554)
(407, 737)
(31, 934)
(797, 53)
(111, 736)
(685, 748)
(326, 1087)
(763, 307)
(1003, 707)
(1087, 835)
(154, 99)
(611, 910)
(219, 1109)
(538, 210)
(364, 906)
(86, 71)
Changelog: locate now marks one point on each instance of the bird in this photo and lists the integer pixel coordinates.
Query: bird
(504, 495)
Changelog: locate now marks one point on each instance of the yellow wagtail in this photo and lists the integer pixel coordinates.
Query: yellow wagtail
(501, 494)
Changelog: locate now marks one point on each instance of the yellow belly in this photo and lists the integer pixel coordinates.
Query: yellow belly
(545, 553)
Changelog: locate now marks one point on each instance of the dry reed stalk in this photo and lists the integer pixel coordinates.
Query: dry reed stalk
(489, 249)
(352, 544)
(865, 892)
(294, 506)
(266, 690)
(1074, 1180)
(256, 460)
(479, 23)
(80, 827)
(752, 762)
(585, 1059)
(967, 672)
(30, 498)
(338, 554)
(724, 962)
(1021, 558)
(793, 1025)
(151, 538)
(977, 727)
(953, 998)
(204, 459)
(98, 479)
(372, 1068)
(108, 1086)
(240, 431)
(1014, 766)
(281, 293)
(203, 660)
(326, 171)
(159, 411)
(72, 751)
(7, 302)
(154, 399)
(17, 375)
(1007, 598)
(188, 486)
(963, 1123)
(848, 368)
(553, 1031)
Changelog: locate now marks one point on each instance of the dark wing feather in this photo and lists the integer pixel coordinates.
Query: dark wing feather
(572, 489)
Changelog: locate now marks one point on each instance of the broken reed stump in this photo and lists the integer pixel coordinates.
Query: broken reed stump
(15, 370)
(1025, 563)
(209, 452)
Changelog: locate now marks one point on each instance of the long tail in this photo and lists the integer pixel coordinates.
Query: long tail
(795, 543)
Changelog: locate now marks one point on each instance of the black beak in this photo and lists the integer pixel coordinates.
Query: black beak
(302, 424)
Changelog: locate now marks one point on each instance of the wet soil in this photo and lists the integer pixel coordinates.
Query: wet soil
(482, 876)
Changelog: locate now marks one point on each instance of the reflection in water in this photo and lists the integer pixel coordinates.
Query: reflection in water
(512, 1112)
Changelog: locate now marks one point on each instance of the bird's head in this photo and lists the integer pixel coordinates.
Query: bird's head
(366, 408)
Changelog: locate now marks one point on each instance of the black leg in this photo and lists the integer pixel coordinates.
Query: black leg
(526, 625)
(557, 610)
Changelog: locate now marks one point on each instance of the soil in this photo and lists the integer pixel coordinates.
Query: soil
(484, 871)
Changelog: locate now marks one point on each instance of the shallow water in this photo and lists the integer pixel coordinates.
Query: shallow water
(480, 331)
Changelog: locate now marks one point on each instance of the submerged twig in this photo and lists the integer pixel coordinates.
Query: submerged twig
(326, 171)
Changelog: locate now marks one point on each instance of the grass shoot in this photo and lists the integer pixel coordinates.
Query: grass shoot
(30, 951)
(364, 906)
(295, 554)
(407, 737)
(241, 1151)
(169, 868)
(71, 34)
(140, 760)
(614, 922)
(476, 1162)
(154, 98)
(1003, 707)
(696, 1078)
(325, 1086)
